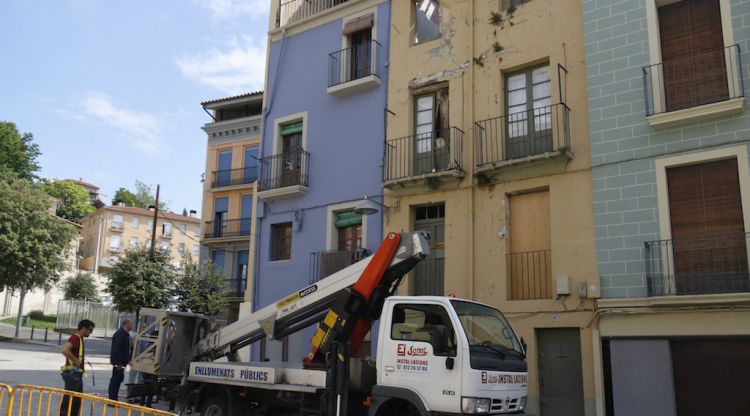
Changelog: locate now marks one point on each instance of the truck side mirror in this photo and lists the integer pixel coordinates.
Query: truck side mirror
(439, 340)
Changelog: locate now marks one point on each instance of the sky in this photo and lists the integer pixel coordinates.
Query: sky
(111, 91)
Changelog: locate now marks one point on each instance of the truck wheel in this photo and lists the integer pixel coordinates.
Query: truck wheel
(215, 406)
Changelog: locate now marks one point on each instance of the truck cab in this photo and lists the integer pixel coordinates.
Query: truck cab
(447, 355)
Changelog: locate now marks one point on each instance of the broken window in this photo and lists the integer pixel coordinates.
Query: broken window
(426, 20)
(431, 129)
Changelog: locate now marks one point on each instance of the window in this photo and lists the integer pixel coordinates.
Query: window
(692, 51)
(197, 231)
(291, 154)
(181, 248)
(217, 257)
(117, 222)
(148, 244)
(427, 26)
(183, 229)
(166, 229)
(115, 242)
(424, 323)
(196, 250)
(349, 227)
(281, 241)
(135, 223)
(431, 129)
(529, 112)
(429, 274)
(358, 55)
(150, 225)
(164, 246)
(529, 258)
(133, 242)
(224, 168)
(250, 173)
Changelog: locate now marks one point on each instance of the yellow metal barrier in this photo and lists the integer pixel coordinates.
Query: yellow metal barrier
(26, 400)
(6, 394)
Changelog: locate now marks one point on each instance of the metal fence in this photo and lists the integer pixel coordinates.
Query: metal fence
(27, 400)
(424, 153)
(326, 263)
(693, 79)
(530, 274)
(285, 169)
(291, 11)
(227, 228)
(106, 318)
(353, 63)
(229, 177)
(697, 266)
(527, 133)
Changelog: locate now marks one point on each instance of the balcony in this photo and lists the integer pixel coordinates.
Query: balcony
(353, 69)
(697, 266)
(533, 135)
(235, 287)
(426, 156)
(530, 275)
(227, 228)
(232, 177)
(293, 11)
(695, 86)
(326, 263)
(285, 174)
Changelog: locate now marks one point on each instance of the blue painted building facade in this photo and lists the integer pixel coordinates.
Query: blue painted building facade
(670, 130)
(321, 149)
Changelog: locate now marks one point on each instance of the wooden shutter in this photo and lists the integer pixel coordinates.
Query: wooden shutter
(692, 49)
(708, 232)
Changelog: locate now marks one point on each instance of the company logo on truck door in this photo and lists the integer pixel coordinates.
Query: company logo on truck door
(402, 350)
(489, 378)
(297, 296)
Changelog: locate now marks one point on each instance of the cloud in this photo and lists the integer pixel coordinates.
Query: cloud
(238, 69)
(226, 9)
(142, 128)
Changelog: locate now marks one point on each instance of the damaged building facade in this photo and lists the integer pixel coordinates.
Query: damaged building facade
(487, 148)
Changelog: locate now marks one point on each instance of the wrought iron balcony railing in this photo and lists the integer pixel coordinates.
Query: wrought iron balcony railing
(518, 135)
(353, 63)
(530, 275)
(693, 79)
(326, 263)
(285, 169)
(291, 11)
(236, 287)
(424, 153)
(229, 177)
(698, 265)
(227, 228)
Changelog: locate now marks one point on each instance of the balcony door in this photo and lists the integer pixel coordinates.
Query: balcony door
(360, 47)
(529, 258)
(693, 54)
(429, 274)
(708, 233)
(291, 154)
(431, 132)
(221, 207)
(529, 113)
(224, 174)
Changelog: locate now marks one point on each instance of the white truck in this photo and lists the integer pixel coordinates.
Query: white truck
(435, 355)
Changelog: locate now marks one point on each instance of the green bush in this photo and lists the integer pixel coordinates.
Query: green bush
(38, 315)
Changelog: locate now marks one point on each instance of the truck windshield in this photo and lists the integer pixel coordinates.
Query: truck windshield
(486, 327)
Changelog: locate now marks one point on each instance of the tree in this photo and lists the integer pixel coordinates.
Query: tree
(80, 287)
(142, 197)
(139, 280)
(73, 200)
(201, 289)
(18, 152)
(33, 244)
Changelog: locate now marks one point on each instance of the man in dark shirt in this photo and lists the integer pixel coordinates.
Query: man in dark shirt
(72, 371)
(119, 357)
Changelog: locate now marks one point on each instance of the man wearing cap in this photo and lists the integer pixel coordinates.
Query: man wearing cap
(72, 371)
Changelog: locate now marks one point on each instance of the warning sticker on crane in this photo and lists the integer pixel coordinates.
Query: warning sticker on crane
(296, 296)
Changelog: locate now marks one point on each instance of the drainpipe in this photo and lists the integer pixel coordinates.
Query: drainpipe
(98, 241)
(470, 106)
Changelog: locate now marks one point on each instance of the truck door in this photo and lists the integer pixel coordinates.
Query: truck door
(419, 349)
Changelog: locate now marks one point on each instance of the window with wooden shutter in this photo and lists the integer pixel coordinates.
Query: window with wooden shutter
(281, 241)
(693, 54)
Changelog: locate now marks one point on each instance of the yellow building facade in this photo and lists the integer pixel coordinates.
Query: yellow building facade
(232, 168)
(111, 230)
(487, 148)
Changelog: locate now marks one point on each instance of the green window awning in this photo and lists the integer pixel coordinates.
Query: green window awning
(288, 129)
(348, 218)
